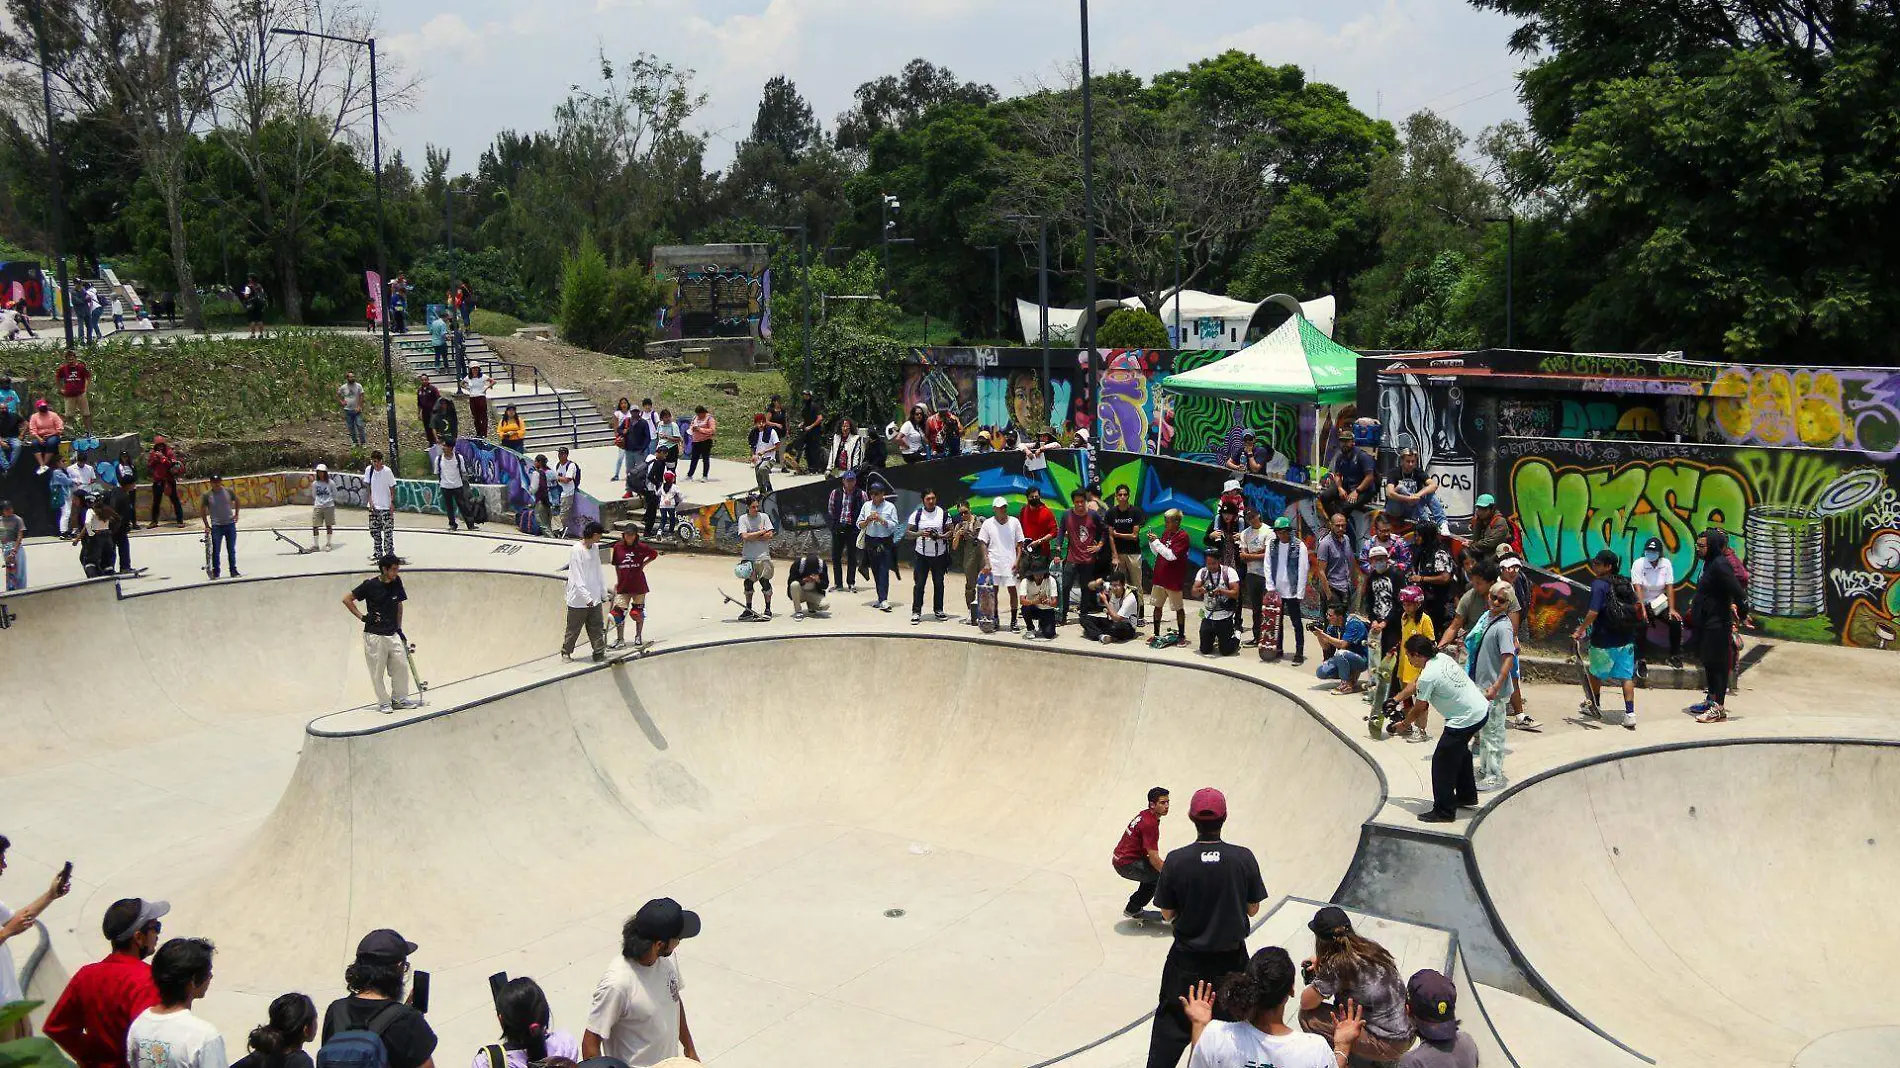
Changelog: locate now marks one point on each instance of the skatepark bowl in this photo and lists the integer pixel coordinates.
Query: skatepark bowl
(1716, 905)
(900, 845)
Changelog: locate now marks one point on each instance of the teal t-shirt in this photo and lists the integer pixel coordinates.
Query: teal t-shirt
(439, 330)
(1446, 687)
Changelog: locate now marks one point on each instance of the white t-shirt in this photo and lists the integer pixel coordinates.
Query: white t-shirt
(636, 1011)
(173, 1040)
(568, 476)
(1218, 576)
(910, 438)
(1652, 580)
(1001, 539)
(448, 470)
(756, 548)
(931, 527)
(476, 387)
(1130, 607)
(560, 1044)
(1253, 540)
(1030, 588)
(382, 487)
(1226, 1044)
(766, 447)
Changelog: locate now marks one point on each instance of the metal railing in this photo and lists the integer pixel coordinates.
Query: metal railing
(564, 417)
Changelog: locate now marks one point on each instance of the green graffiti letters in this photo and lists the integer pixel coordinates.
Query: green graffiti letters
(1570, 513)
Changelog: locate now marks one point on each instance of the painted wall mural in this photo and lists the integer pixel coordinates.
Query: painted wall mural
(939, 386)
(1819, 530)
(715, 291)
(1821, 408)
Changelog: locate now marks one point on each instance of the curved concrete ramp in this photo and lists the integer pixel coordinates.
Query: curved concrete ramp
(1726, 905)
(797, 792)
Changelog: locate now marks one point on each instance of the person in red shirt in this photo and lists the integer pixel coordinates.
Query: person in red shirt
(73, 377)
(631, 557)
(1138, 854)
(1085, 534)
(92, 1015)
(1038, 523)
(164, 465)
(1170, 548)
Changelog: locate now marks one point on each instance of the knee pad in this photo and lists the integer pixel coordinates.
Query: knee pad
(619, 614)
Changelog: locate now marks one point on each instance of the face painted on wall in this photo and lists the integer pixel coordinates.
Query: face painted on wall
(1026, 401)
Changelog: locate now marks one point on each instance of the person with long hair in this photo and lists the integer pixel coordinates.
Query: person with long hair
(279, 1041)
(621, 415)
(1717, 608)
(700, 433)
(847, 450)
(1257, 1034)
(526, 1037)
(1444, 684)
(1347, 968)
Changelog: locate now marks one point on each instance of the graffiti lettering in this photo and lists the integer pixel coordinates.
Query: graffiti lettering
(1569, 514)
(1857, 583)
(1831, 408)
(1884, 511)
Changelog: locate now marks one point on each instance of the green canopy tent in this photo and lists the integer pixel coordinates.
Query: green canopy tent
(1296, 364)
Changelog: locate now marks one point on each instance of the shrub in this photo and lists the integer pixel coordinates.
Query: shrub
(1132, 328)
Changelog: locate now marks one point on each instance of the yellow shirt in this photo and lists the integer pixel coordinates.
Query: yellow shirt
(1407, 628)
(511, 429)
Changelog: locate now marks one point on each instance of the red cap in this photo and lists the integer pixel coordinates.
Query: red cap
(1208, 804)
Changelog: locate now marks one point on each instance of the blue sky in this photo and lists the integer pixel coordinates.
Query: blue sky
(487, 65)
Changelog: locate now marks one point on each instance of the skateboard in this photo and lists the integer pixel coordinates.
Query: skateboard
(1381, 718)
(8, 617)
(630, 651)
(1270, 623)
(1166, 641)
(986, 604)
(409, 654)
(294, 543)
(205, 540)
(754, 618)
(1588, 709)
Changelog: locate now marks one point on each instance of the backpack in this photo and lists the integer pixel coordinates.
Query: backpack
(475, 506)
(360, 1047)
(1620, 611)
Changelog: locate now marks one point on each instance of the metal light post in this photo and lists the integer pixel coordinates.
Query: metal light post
(1509, 219)
(1088, 246)
(1177, 291)
(1042, 293)
(996, 289)
(804, 264)
(890, 205)
(382, 265)
(57, 225)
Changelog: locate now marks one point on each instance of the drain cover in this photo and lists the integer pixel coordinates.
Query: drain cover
(893, 913)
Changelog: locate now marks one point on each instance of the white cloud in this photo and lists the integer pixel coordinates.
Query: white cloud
(489, 65)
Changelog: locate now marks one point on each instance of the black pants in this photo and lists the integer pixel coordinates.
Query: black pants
(1717, 647)
(1453, 783)
(1141, 871)
(1675, 634)
(844, 556)
(1168, 1038)
(701, 453)
(452, 503)
(1292, 619)
(1219, 634)
(650, 501)
(122, 544)
(1252, 588)
(159, 491)
(1095, 625)
(1076, 580)
(933, 568)
(1042, 621)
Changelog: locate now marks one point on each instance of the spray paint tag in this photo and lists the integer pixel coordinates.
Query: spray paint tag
(1849, 492)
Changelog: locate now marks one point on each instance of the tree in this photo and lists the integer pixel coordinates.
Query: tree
(786, 173)
(895, 102)
(855, 357)
(785, 120)
(1128, 328)
(605, 308)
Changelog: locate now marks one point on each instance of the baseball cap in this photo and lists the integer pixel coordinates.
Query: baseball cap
(1208, 804)
(1283, 523)
(322, 468)
(670, 476)
(1232, 485)
(849, 476)
(384, 946)
(1485, 500)
(1377, 550)
(128, 916)
(1328, 919)
(1510, 560)
(1607, 557)
(1000, 502)
(1653, 545)
(662, 919)
(1411, 595)
(1434, 1002)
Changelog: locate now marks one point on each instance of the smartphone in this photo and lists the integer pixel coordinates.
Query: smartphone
(495, 983)
(419, 992)
(66, 874)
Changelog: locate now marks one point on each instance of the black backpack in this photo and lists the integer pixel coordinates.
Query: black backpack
(1620, 611)
(358, 1047)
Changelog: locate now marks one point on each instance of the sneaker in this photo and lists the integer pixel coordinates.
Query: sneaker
(799, 614)
(1522, 721)
(884, 606)
(616, 644)
(1490, 783)
(1629, 722)
(1029, 635)
(1712, 715)
(748, 614)
(567, 658)
(1437, 817)
(1106, 640)
(941, 617)
(1642, 669)
(1699, 707)
(627, 495)
(850, 589)
(1589, 711)
(407, 702)
(234, 573)
(767, 614)
(1014, 626)
(915, 619)
(1297, 660)
(40, 470)
(1131, 914)
(1414, 735)
(384, 709)
(1675, 661)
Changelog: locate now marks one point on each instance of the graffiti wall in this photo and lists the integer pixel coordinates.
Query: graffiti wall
(1818, 530)
(1819, 408)
(714, 290)
(1203, 425)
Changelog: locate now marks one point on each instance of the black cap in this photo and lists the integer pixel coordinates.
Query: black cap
(1653, 545)
(1607, 557)
(1328, 920)
(384, 946)
(1434, 1002)
(662, 919)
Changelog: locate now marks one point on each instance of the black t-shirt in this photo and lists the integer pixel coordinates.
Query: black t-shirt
(378, 601)
(1123, 523)
(9, 424)
(408, 1037)
(296, 1058)
(1209, 885)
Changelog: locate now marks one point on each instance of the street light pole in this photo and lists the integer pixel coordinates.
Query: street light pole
(382, 264)
(57, 224)
(996, 289)
(804, 264)
(1088, 244)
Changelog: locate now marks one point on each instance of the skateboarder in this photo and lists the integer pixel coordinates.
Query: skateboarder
(1413, 620)
(1002, 539)
(1288, 565)
(631, 557)
(586, 589)
(379, 482)
(323, 508)
(1610, 625)
(1255, 536)
(1442, 683)
(1171, 571)
(755, 536)
(1138, 854)
(377, 602)
(219, 511)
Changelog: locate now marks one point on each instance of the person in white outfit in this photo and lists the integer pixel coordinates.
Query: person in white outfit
(586, 590)
(1002, 537)
(377, 602)
(379, 481)
(1288, 565)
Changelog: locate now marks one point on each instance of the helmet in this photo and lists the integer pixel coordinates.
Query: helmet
(1411, 595)
(890, 431)
(669, 477)
(743, 571)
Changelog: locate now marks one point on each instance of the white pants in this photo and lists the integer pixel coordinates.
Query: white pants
(384, 653)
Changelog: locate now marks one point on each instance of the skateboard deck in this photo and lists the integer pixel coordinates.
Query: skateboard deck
(986, 604)
(1384, 681)
(1270, 622)
(294, 543)
(754, 618)
(1589, 706)
(409, 654)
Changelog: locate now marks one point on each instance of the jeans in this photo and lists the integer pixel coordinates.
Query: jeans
(1169, 1035)
(353, 421)
(844, 551)
(1453, 783)
(1252, 588)
(933, 568)
(762, 473)
(1076, 582)
(385, 656)
(1141, 871)
(160, 490)
(122, 547)
(877, 552)
(589, 618)
(1431, 510)
(1491, 739)
(701, 454)
(544, 516)
(1291, 618)
(442, 357)
(1039, 620)
(1344, 665)
(227, 534)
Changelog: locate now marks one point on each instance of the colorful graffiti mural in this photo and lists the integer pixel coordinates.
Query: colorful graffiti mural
(1202, 425)
(1819, 531)
(1127, 406)
(940, 386)
(1822, 408)
(716, 290)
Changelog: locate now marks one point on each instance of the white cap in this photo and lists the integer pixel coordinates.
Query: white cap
(1377, 550)
(1232, 484)
(1510, 560)
(1000, 502)
(322, 468)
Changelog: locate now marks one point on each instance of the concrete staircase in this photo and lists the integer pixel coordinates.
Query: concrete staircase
(555, 416)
